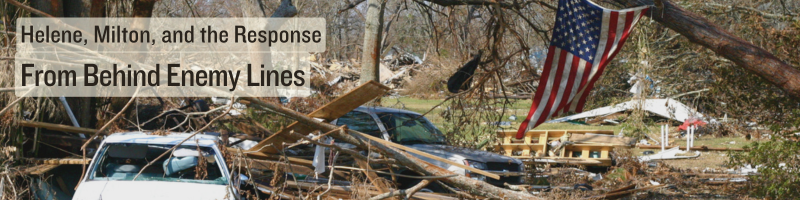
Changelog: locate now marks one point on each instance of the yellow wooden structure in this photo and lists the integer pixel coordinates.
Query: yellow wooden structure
(588, 147)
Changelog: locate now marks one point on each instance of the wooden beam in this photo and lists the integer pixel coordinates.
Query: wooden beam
(347, 190)
(263, 156)
(40, 169)
(621, 194)
(57, 127)
(418, 152)
(60, 161)
(328, 112)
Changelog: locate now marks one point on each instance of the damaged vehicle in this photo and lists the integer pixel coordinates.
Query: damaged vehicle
(415, 131)
(194, 170)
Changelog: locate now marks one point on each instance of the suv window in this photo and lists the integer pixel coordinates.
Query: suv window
(407, 128)
(361, 122)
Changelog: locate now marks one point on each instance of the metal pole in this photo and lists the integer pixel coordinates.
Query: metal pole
(688, 138)
(663, 141)
(69, 112)
(694, 129)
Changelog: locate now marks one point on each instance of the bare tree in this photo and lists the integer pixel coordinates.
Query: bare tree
(373, 32)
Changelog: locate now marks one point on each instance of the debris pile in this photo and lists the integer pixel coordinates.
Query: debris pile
(396, 69)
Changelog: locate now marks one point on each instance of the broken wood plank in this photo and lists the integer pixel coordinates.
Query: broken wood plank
(471, 186)
(347, 190)
(629, 187)
(372, 176)
(57, 127)
(601, 139)
(263, 156)
(328, 112)
(418, 152)
(620, 194)
(60, 161)
(40, 169)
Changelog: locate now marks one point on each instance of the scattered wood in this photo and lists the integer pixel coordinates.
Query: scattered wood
(580, 147)
(57, 127)
(347, 190)
(372, 176)
(40, 169)
(469, 185)
(601, 139)
(440, 159)
(620, 193)
(59, 161)
(330, 111)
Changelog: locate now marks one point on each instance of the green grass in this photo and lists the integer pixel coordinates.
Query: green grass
(516, 107)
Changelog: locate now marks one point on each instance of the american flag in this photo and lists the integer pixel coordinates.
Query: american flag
(586, 37)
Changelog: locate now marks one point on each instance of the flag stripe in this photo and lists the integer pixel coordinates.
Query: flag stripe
(602, 45)
(551, 86)
(544, 99)
(610, 43)
(574, 64)
(539, 91)
(569, 92)
(564, 86)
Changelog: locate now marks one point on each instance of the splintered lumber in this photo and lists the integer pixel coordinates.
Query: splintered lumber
(372, 176)
(60, 161)
(328, 112)
(474, 187)
(700, 148)
(629, 187)
(40, 169)
(57, 127)
(620, 194)
(601, 139)
(263, 156)
(440, 159)
(347, 190)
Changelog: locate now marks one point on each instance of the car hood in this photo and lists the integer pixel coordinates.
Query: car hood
(135, 190)
(458, 153)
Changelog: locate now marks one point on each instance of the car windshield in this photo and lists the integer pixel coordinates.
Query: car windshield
(404, 128)
(187, 163)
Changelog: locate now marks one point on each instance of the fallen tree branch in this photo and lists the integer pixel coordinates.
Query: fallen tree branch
(407, 192)
(28, 8)
(57, 127)
(351, 6)
(703, 32)
(8, 107)
(749, 9)
(169, 151)
(688, 93)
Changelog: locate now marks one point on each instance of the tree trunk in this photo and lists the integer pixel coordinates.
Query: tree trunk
(703, 32)
(372, 41)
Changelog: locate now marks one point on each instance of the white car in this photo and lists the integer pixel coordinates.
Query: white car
(122, 156)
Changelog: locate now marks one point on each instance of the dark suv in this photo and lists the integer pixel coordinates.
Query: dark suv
(414, 130)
